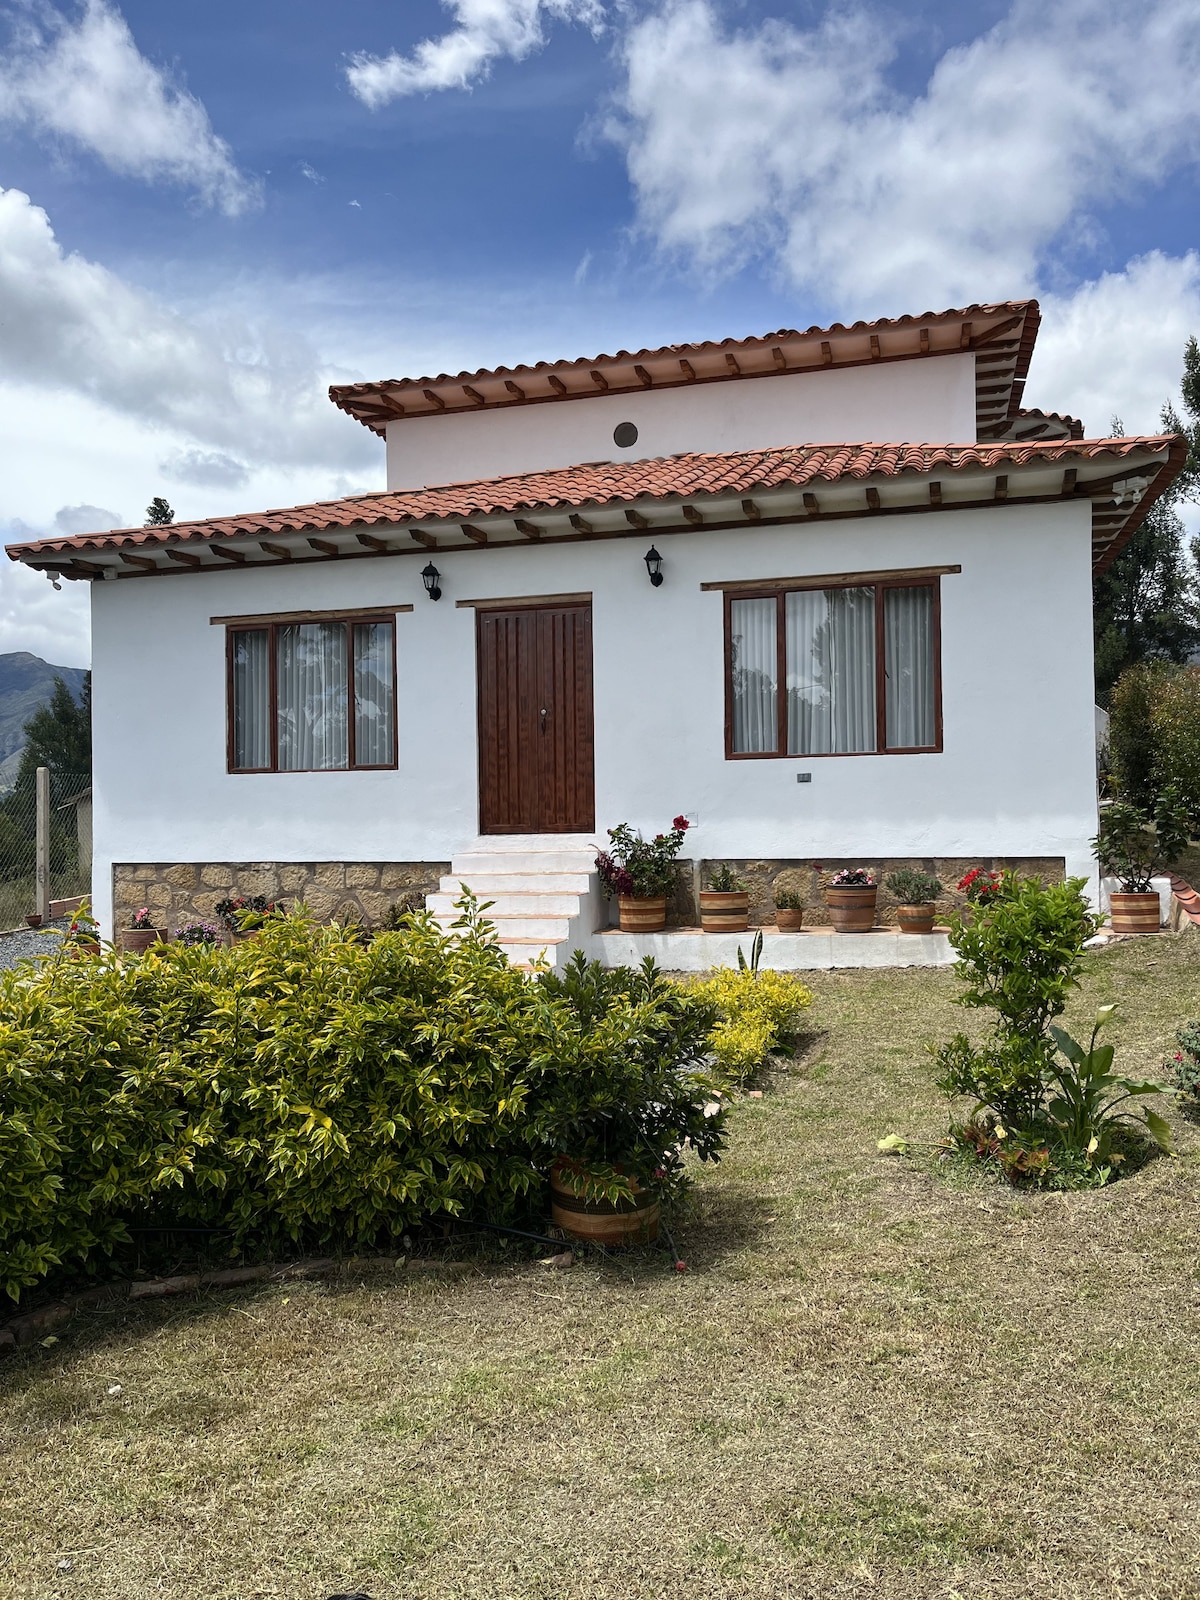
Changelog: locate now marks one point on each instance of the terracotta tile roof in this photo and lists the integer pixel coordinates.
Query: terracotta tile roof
(1002, 335)
(575, 500)
(1031, 423)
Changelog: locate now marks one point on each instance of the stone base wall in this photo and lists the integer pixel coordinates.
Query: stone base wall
(182, 892)
(807, 880)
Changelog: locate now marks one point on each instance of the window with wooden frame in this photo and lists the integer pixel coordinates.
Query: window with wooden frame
(312, 696)
(859, 665)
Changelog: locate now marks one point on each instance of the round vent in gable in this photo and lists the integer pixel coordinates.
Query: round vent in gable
(625, 434)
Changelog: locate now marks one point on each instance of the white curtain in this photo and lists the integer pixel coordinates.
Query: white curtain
(251, 700)
(755, 668)
(312, 693)
(830, 671)
(373, 709)
(908, 658)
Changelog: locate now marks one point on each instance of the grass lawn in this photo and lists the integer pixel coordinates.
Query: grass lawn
(876, 1378)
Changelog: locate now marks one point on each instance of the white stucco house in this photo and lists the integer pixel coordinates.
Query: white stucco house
(871, 641)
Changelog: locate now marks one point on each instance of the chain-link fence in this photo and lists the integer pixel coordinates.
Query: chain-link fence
(64, 847)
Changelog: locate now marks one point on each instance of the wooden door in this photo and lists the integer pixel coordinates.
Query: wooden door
(534, 668)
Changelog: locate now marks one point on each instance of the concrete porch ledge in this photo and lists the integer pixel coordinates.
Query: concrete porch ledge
(693, 950)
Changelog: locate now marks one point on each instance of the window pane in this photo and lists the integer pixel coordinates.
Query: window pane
(373, 710)
(908, 657)
(830, 671)
(251, 700)
(752, 643)
(312, 692)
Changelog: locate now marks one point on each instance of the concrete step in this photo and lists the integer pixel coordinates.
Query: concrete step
(523, 929)
(531, 903)
(488, 884)
(490, 861)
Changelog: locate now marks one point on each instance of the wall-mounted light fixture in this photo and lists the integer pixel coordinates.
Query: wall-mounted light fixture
(653, 566)
(429, 577)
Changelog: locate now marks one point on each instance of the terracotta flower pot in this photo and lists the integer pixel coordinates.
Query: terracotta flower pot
(852, 910)
(789, 919)
(724, 911)
(1135, 913)
(642, 913)
(136, 941)
(33, 920)
(601, 1221)
(240, 935)
(916, 919)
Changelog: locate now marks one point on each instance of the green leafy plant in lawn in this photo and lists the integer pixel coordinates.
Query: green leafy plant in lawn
(309, 1087)
(1019, 957)
(1134, 844)
(1185, 1064)
(757, 1014)
(1089, 1104)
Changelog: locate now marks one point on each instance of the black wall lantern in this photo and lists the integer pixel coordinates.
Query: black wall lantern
(653, 566)
(429, 577)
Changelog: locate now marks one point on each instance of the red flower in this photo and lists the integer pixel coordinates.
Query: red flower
(680, 824)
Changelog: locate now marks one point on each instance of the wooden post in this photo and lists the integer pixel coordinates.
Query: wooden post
(42, 847)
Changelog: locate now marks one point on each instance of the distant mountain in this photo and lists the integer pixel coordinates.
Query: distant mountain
(26, 684)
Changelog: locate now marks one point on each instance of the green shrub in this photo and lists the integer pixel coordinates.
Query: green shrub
(1175, 727)
(307, 1086)
(758, 1013)
(1019, 955)
(1131, 737)
(912, 887)
(1186, 1061)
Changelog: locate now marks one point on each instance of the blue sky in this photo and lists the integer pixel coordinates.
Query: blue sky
(209, 211)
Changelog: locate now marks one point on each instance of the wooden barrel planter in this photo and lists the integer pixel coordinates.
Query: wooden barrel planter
(604, 1222)
(789, 919)
(1135, 913)
(852, 910)
(915, 919)
(642, 913)
(724, 911)
(136, 941)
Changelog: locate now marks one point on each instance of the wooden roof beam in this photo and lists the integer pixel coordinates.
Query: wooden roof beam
(688, 370)
(1068, 483)
(1001, 492)
(529, 529)
(778, 357)
(924, 341)
(873, 499)
(1000, 329)
(518, 394)
(643, 377)
(426, 540)
(238, 556)
(751, 510)
(280, 551)
(964, 338)
(374, 543)
(580, 524)
(143, 562)
(474, 395)
(434, 398)
(811, 505)
(476, 535)
(184, 558)
(876, 352)
(599, 380)
(635, 519)
(693, 516)
(556, 383)
(935, 493)
(826, 353)
(731, 361)
(325, 546)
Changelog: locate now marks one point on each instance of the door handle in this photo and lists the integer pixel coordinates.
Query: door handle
(543, 719)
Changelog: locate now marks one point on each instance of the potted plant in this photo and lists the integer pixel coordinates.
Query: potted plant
(725, 904)
(641, 873)
(82, 938)
(199, 933)
(141, 933)
(789, 911)
(916, 891)
(1134, 846)
(851, 895)
(244, 915)
(636, 1105)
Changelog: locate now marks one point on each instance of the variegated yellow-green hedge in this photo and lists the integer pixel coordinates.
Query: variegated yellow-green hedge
(314, 1086)
(758, 1013)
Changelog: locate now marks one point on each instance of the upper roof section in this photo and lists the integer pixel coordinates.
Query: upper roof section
(1001, 336)
(1119, 478)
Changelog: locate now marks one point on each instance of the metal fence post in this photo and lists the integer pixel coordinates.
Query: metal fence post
(42, 857)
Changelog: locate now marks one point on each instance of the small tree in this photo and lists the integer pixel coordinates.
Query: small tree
(158, 513)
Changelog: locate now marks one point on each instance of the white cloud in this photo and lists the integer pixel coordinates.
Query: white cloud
(486, 31)
(86, 82)
(207, 469)
(85, 519)
(252, 391)
(1114, 345)
(788, 143)
(36, 617)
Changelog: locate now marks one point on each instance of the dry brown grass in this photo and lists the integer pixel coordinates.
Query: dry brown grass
(875, 1379)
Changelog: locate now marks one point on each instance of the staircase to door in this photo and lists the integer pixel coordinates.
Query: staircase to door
(544, 891)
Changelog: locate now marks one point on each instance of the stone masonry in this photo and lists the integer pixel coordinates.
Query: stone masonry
(182, 892)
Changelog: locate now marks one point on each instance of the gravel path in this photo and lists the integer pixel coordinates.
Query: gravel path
(25, 942)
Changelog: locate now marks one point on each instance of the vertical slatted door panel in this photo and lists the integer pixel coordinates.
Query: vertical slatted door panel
(506, 665)
(566, 769)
